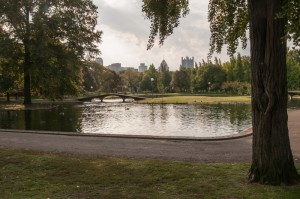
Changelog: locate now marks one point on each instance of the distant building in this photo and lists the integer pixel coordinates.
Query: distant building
(115, 67)
(187, 62)
(142, 67)
(99, 60)
(118, 68)
(163, 67)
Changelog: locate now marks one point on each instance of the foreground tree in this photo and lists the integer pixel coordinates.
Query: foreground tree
(10, 73)
(55, 35)
(269, 21)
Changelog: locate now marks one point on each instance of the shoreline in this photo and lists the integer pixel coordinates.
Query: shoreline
(233, 150)
(242, 134)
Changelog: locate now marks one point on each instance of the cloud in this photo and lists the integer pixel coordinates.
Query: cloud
(123, 18)
(126, 35)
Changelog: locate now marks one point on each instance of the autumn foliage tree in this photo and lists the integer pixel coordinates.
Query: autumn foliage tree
(270, 23)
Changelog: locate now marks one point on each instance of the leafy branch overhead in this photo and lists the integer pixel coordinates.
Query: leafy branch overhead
(164, 16)
(291, 11)
(228, 23)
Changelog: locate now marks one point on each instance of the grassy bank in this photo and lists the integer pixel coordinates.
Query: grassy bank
(42, 175)
(198, 99)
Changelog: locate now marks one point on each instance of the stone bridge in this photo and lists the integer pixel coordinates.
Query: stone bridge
(102, 96)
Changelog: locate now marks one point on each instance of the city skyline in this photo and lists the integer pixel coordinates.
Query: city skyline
(186, 62)
(125, 35)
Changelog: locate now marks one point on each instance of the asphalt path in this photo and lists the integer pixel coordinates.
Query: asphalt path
(214, 151)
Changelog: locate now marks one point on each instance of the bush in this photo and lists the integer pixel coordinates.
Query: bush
(236, 87)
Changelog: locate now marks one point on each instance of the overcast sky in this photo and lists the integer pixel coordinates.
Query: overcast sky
(125, 35)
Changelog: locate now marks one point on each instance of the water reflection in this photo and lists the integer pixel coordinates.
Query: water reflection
(165, 120)
(61, 118)
(200, 120)
(27, 115)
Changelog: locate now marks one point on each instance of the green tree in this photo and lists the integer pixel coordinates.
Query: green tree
(269, 22)
(164, 77)
(237, 87)
(110, 81)
(213, 77)
(228, 67)
(238, 69)
(10, 73)
(146, 83)
(98, 78)
(164, 81)
(149, 80)
(209, 77)
(181, 80)
(132, 79)
(55, 36)
(57, 75)
(293, 69)
(246, 68)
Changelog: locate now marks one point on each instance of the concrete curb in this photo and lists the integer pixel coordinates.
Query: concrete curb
(242, 134)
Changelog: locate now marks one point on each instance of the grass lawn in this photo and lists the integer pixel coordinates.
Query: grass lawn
(26, 174)
(198, 99)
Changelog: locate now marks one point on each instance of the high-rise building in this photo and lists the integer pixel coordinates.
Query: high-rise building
(118, 68)
(142, 67)
(163, 67)
(115, 67)
(187, 62)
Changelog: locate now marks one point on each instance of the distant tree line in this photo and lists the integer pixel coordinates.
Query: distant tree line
(232, 77)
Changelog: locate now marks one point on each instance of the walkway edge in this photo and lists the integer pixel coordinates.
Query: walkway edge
(242, 134)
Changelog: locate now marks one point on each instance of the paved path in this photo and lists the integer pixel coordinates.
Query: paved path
(237, 150)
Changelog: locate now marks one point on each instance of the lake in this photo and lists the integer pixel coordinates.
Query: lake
(114, 117)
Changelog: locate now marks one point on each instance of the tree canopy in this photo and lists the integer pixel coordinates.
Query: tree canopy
(53, 38)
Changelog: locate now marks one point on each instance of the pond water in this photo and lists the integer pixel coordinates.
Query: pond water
(112, 117)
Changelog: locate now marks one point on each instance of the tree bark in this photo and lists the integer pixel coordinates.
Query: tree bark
(27, 61)
(272, 159)
(7, 97)
(26, 68)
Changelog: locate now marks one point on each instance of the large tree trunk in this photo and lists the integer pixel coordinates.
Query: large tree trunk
(272, 161)
(26, 68)
(7, 97)
(27, 61)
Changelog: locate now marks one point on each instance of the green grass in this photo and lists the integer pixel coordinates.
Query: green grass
(198, 99)
(43, 175)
